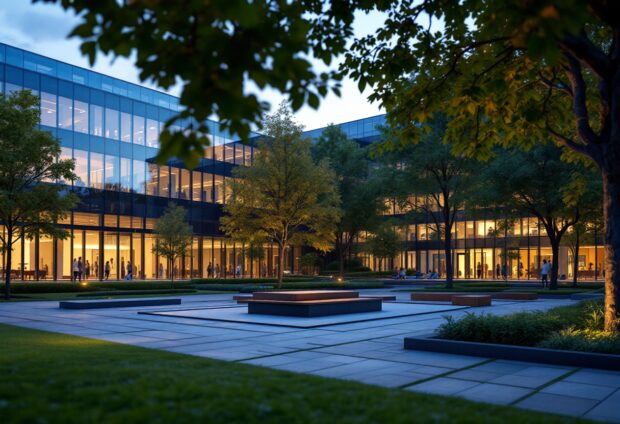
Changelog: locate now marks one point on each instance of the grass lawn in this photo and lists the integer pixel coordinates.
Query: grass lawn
(54, 378)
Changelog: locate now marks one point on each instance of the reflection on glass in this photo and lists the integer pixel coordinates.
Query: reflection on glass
(81, 168)
(138, 180)
(125, 127)
(207, 189)
(151, 182)
(96, 170)
(48, 109)
(65, 113)
(80, 117)
(96, 120)
(125, 174)
(138, 129)
(152, 133)
(174, 182)
(111, 172)
(218, 189)
(196, 186)
(111, 124)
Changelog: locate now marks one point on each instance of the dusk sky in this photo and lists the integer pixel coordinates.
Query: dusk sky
(43, 29)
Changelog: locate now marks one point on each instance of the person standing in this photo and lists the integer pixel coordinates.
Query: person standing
(129, 271)
(505, 272)
(216, 273)
(161, 271)
(544, 273)
(479, 270)
(75, 269)
(107, 270)
(209, 270)
(498, 271)
(80, 269)
(87, 269)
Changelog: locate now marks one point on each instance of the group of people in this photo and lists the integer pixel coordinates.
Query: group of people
(401, 274)
(215, 271)
(83, 270)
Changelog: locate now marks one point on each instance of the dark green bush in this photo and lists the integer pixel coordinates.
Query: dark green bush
(243, 288)
(136, 292)
(524, 328)
(251, 280)
(583, 341)
(50, 287)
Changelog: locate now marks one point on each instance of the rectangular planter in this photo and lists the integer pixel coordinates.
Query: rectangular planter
(515, 353)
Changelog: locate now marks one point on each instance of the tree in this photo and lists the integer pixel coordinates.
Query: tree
(384, 243)
(173, 236)
(583, 194)
(31, 202)
(284, 197)
(222, 52)
(430, 171)
(310, 262)
(359, 192)
(537, 183)
(510, 73)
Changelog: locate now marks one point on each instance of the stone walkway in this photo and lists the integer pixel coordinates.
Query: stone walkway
(370, 352)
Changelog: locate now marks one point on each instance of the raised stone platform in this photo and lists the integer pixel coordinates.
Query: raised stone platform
(311, 303)
(116, 303)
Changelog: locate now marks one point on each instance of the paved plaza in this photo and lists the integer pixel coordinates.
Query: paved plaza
(368, 350)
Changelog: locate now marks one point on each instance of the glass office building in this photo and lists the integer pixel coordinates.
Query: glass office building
(478, 249)
(111, 128)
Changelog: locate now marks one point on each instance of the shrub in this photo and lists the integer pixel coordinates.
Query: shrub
(523, 328)
(136, 292)
(49, 287)
(349, 265)
(583, 341)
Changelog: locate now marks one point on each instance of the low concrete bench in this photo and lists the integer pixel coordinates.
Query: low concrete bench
(472, 300)
(242, 298)
(116, 303)
(313, 308)
(301, 295)
(434, 296)
(384, 297)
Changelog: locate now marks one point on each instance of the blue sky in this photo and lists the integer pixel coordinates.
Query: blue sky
(43, 28)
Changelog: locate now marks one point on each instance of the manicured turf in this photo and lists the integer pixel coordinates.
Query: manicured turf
(53, 378)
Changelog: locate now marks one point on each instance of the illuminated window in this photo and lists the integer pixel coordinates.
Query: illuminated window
(80, 117)
(48, 109)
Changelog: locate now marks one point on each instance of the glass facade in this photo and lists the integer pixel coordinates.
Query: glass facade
(111, 129)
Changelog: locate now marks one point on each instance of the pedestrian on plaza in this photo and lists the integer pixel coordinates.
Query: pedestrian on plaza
(76, 270)
(544, 273)
(209, 270)
(498, 271)
(479, 269)
(80, 269)
(107, 269)
(87, 269)
(505, 272)
(129, 271)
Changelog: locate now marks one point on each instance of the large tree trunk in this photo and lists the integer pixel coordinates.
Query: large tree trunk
(448, 252)
(611, 213)
(7, 281)
(555, 254)
(280, 264)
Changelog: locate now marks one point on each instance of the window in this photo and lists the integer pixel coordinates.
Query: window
(174, 182)
(125, 127)
(152, 133)
(164, 181)
(80, 117)
(111, 172)
(138, 181)
(218, 189)
(96, 120)
(65, 113)
(48, 109)
(184, 190)
(125, 174)
(207, 188)
(96, 170)
(65, 154)
(151, 183)
(138, 129)
(81, 168)
(196, 186)
(111, 124)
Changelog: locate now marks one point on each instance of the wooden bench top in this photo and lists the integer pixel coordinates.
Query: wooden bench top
(472, 300)
(311, 302)
(305, 295)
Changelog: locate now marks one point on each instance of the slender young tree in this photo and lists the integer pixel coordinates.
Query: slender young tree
(31, 202)
(284, 196)
(359, 192)
(432, 183)
(509, 72)
(384, 243)
(173, 236)
(536, 183)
